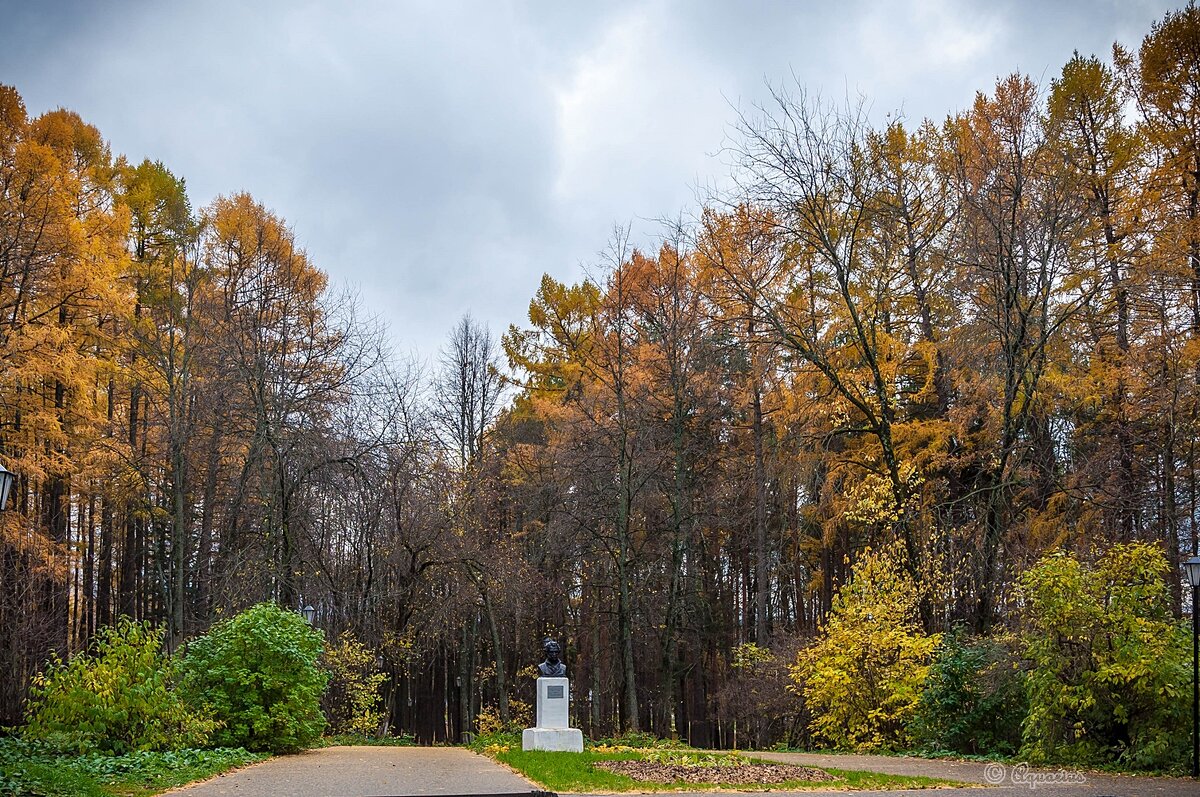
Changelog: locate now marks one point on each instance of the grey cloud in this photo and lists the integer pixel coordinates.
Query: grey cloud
(440, 157)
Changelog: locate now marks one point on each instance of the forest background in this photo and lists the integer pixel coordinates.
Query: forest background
(968, 343)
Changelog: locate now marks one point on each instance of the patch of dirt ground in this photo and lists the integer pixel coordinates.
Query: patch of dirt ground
(741, 775)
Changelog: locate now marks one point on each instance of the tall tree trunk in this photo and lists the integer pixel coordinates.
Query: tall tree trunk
(762, 573)
(104, 587)
(127, 603)
(204, 570)
(466, 685)
(625, 631)
(497, 651)
(594, 696)
(57, 496)
(288, 554)
(89, 572)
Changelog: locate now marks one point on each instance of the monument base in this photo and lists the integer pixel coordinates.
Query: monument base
(568, 740)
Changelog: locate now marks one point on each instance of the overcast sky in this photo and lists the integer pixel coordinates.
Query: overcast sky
(440, 157)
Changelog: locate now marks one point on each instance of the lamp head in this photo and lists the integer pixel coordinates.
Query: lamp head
(1191, 568)
(7, 480)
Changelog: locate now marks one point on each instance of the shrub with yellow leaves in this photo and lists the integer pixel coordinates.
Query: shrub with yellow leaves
(117, 698)
(352, 700)
(862, 678)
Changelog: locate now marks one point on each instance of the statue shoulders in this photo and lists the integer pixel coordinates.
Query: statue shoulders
(552, 670)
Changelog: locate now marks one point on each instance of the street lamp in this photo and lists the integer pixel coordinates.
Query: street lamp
(7, 479)
(309, 613)
(1191, 569)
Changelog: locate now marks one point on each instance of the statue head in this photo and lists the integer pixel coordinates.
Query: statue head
(552, 650)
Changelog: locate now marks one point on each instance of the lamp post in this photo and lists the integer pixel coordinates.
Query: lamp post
(1191, 568)
(7, 479)
(309, 613)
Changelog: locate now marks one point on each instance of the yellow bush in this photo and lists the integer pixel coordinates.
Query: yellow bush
(352, 702)
(862, 679)
(488, 722)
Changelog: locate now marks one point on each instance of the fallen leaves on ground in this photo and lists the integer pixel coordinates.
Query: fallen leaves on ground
(741, 775)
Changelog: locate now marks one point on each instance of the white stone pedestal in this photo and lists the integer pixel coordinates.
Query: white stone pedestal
(552, 733)
(568, 740)
(553, 702)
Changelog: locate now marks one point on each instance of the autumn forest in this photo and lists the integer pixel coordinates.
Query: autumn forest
(970, 341)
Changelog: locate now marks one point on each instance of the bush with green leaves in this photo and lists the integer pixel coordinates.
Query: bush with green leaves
(257, 673)
(116, 698)
(31, 768)
(974, 698)
(1110, 665)
(637, 740)
(863, 676)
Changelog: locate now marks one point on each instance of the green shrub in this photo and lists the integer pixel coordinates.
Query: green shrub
(257, 672)
(863, 676)
(638, 740)
(497, 742)
(117, 698)
(352, 701)
(31, 768)
(1109, 670)
(974, 698)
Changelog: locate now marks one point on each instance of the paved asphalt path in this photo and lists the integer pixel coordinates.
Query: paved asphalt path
(365, 772)
(394, 771)
(994, 780)
(988, 780)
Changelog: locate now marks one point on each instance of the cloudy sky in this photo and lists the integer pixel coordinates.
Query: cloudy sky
(440, 157)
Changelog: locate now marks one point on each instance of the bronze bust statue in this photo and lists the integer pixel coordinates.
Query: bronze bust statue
(552, 667)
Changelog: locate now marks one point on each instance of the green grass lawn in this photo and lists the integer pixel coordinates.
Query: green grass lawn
(574, 772)
(26, 770)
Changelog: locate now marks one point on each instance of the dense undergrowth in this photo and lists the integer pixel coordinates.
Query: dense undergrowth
(126, 718)
(1090, 674)
(32, 769)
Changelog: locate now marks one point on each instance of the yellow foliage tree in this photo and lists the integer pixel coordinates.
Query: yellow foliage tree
(352, 700)
(862, 679)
